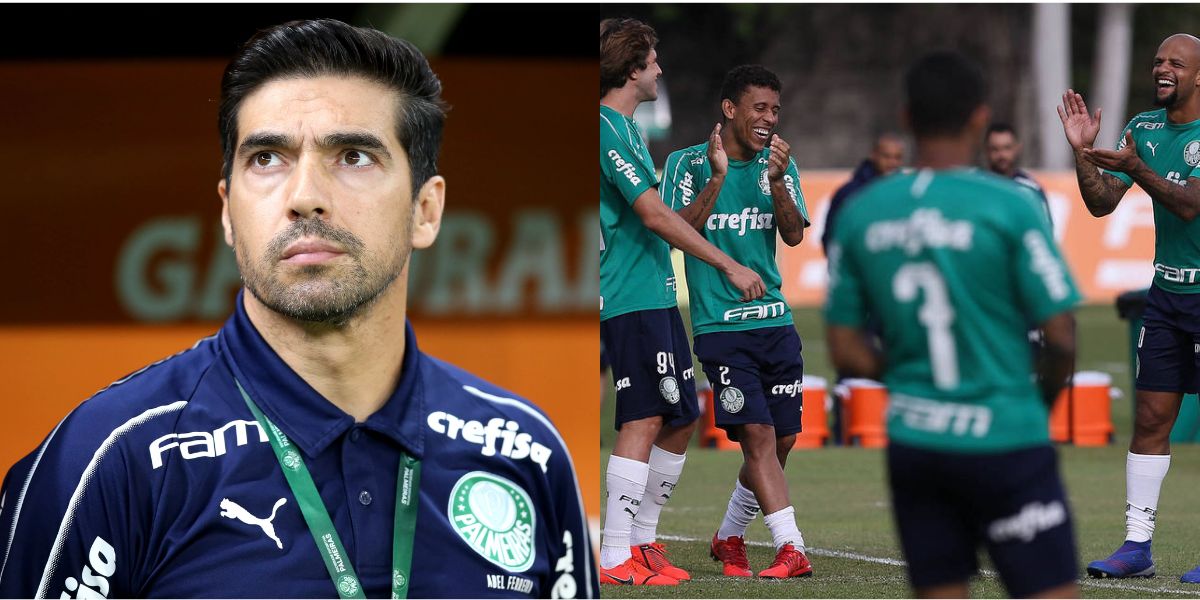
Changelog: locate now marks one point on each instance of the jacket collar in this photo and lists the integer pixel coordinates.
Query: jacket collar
(304, 414)
(865, 171)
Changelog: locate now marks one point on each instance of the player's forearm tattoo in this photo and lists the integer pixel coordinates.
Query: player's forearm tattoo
(787, 214)
(1101, 192)
(1182, 200)
(697, 212)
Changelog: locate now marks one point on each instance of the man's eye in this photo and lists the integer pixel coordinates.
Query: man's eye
(266, 159)
(356, 158)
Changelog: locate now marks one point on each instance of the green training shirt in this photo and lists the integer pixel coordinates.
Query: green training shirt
(1173, 152)
(635, 264)
(956, 264)
(742, 224)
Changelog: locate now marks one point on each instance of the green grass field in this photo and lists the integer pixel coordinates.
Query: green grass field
(841, 502)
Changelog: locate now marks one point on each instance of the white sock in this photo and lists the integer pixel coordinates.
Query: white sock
(626, 481)
(1144, 475)
(782, 524)
(665, 468)
(743, 506)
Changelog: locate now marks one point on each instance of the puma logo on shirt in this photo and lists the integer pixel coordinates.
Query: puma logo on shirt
(232, 510)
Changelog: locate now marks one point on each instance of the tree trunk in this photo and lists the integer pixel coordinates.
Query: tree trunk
(1111, 71)
(1051, 65)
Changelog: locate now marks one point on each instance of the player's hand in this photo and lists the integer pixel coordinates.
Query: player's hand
(1080, 127)
(1124, 160)
(717, 160)
(777, 164)
(747, 282)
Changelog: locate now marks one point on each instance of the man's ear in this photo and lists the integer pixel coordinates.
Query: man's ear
(427, 211)
(223, 192)
(728, 108)
(980, 117)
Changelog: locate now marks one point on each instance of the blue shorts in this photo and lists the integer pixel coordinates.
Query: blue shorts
(1013, 503)
(1168, 346)
(756, 378)
(651, 366)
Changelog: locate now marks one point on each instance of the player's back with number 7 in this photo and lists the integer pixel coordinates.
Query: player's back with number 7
(956, 263)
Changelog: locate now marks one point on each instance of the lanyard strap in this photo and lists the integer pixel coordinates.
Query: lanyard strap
(329, 544)
(407, 484)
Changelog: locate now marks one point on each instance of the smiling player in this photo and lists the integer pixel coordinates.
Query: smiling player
(1160, 150)
(741, 188)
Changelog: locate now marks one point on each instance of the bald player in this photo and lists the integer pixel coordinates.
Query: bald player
(1160, 151)
(887, 156)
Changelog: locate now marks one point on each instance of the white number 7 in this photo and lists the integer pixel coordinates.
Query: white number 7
(935, 314)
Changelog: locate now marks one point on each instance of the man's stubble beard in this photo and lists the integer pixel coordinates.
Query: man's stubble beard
(321, 294)
(1169, 101)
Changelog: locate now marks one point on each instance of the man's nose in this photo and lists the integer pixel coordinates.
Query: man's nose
(308, 195)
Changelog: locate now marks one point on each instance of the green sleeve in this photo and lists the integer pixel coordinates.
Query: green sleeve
(679, 187)
(792, 179)
(1121, 144)
(1038, 198)
(845, 303)
(619, 165)
(1043, 281)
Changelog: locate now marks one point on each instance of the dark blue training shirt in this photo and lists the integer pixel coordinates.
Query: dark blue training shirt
(164, 485)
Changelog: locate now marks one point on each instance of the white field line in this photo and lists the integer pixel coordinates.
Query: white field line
(1084, 581)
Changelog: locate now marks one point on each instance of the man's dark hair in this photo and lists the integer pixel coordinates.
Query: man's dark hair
(625, 46)
(943, 88)
(999, 127)
(328, 47)
(741, 78)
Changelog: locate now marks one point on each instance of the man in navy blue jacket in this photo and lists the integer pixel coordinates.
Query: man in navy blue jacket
(1002, 150)
(308, 448)
(887, 155)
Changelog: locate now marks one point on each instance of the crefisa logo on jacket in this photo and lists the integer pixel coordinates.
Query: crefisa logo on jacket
(93, 582)
(495, 518)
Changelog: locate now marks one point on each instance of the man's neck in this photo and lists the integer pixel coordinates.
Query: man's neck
(944, 152)
(1185, 112)
(733, 148)
(623, 100)
(355, 366)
